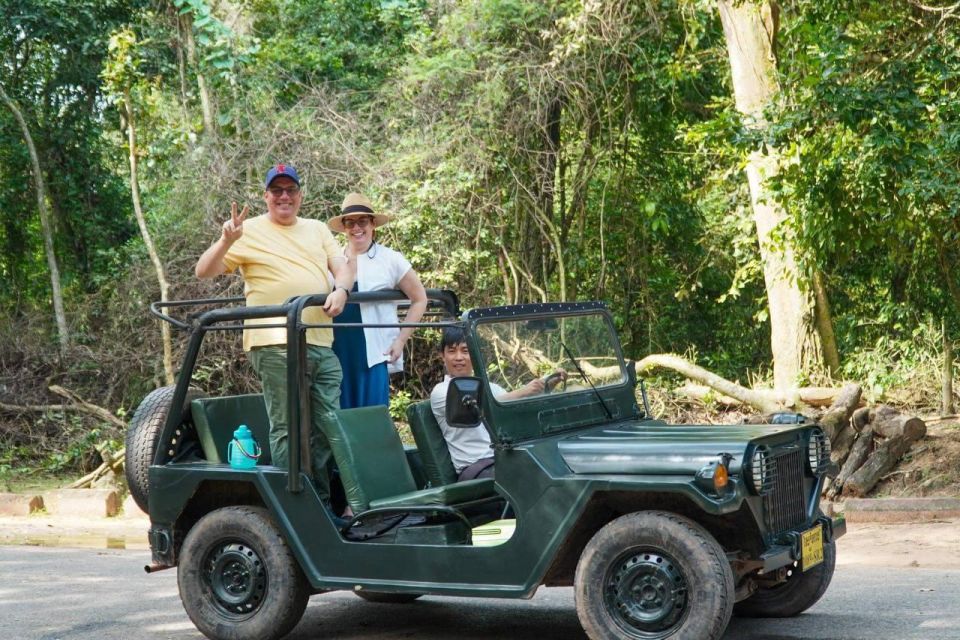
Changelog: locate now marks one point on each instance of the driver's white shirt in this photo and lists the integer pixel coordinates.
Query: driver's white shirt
(468, 445)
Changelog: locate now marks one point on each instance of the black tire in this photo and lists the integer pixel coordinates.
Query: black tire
(800, 592)
(238, 578)
(143, 436)
(387, 598)
(653, 575)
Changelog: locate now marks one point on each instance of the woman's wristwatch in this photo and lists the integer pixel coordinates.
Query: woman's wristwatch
(345, 290)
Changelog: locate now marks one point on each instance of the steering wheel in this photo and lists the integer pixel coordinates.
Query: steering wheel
(557, 379)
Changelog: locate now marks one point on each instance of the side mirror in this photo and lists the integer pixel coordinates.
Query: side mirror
(632, 373)
(463, 402)
(632, 377)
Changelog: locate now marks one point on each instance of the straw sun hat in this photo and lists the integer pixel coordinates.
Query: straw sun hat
(356, 204)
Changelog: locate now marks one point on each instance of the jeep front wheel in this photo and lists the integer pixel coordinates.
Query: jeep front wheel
(238, 578)
(801, 590)
(653, 575)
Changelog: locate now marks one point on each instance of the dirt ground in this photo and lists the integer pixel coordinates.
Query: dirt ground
(930, 468)
(927, 545)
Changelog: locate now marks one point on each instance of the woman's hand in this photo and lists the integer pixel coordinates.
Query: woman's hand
(395, 351)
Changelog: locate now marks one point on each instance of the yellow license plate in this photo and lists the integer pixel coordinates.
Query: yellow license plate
(811, 547)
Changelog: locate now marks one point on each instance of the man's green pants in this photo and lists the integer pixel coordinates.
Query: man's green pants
(323, 377)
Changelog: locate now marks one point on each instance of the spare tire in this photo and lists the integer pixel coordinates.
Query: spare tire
(143, 436)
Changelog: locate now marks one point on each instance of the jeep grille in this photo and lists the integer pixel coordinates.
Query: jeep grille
(786, 507)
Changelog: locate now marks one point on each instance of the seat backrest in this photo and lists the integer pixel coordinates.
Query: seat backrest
(432, 445)
(217, 418)
(369, 454)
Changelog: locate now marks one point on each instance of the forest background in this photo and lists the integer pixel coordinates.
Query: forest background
(529, 151)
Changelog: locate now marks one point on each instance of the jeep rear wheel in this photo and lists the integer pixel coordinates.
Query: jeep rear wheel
(143, 437)
(653, 575)
(801, 590)
(238, 578)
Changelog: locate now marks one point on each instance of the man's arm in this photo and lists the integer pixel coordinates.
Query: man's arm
(532, 388)
(410, 284)
(210, 264)
(343, 277)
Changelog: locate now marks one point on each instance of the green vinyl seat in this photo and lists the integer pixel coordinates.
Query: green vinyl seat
(431, 444)
(374, 468)
(217, 418)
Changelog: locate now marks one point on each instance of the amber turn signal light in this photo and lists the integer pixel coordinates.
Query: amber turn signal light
(720, 477)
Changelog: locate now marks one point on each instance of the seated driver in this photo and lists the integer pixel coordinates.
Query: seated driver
(469, 448)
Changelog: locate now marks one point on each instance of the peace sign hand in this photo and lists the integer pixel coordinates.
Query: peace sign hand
(233, 228)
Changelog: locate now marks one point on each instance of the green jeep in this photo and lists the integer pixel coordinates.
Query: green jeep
(664, 531)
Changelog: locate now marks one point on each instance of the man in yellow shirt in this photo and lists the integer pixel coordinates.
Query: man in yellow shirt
(281, 255)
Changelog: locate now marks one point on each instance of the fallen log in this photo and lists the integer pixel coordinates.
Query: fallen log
(859, 452)
(890, 423)
(724, 391)
(79, 406)
(766, 400)
(841, 443)
(112, 462)
(881, 461)
(90, 408)
(860, 418)
(837, 417)
(836, 421)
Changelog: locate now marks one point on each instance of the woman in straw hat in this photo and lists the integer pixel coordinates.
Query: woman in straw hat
(370, 355)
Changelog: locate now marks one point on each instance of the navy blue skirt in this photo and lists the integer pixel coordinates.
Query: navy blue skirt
(363, 386)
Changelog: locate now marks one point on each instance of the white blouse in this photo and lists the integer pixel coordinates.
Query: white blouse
(383, 270)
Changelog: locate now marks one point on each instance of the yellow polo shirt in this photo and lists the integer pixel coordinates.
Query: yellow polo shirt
(277, 262)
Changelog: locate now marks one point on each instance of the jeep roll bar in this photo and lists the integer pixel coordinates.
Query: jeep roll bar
(440, 302)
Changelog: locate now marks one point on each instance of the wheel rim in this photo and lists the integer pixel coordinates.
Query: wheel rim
(646, 593)
(237, 579)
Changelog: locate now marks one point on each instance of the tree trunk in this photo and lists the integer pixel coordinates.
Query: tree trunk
(750, 30)
(824, 323)
(58, 309)
(145, 233)
(946, 383)
(206, 104)
(182, 26)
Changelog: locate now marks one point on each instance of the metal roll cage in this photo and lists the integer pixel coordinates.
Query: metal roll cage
(441, 303)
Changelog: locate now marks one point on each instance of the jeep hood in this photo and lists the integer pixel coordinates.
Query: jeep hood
(661, 449)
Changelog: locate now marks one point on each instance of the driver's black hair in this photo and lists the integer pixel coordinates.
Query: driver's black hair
(452, 336)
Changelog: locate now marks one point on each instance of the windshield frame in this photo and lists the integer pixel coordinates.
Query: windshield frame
(546, 414)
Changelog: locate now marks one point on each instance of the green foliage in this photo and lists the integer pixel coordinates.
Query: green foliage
(224, 51)
(527, 150)
(874, 137)
(399, 401)
(352, 43)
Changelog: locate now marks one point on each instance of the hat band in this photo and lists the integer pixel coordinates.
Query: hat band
(356, 207)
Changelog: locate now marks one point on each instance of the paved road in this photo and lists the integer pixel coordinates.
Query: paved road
(88, 594)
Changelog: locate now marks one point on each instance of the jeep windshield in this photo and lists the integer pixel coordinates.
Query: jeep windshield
(569, 353)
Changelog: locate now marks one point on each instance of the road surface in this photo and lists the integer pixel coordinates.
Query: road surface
(90, 594)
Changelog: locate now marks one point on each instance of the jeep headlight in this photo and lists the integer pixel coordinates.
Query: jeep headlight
(818, 451)
(763, 470)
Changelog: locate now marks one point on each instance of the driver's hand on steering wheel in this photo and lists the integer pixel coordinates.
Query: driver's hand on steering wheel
(534, 387)
(553, 380)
